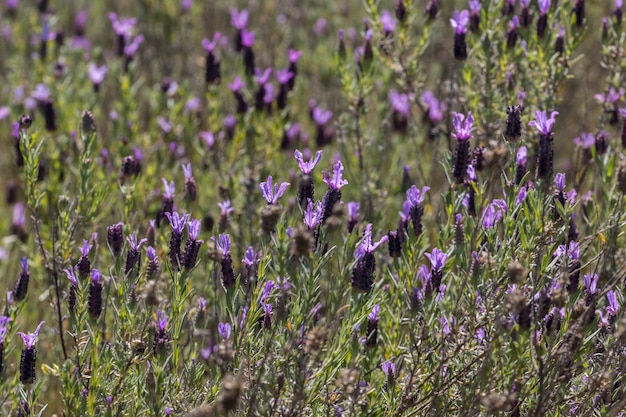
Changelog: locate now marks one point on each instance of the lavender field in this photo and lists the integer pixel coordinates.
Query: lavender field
(309, 208)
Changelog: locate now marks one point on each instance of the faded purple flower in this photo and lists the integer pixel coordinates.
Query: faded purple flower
(96, 73)
(239, 19)
(222, 243)
(162, 320)
(400, 102)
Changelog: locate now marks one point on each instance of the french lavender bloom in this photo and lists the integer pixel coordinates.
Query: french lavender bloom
(525, 17)
(191, 188)
(96, 75)
(372, 326)
(324, 134)
(284, 77)
(591, 287)
(579, 12)
(239, 20)
(167, 200)
(363, 271)
(228, 273)
(511, 37)
(353, 215)
(212, 72)
(459, 23)
(73, 278)
(4, 329)
(272, 192)
(389, 369)
(545, 155)
(153, 262)
(29, 356)
(474, 8)
(335, 182)
(437, 260)
(177, 223)
(192, 247)
(607, 321)
(261, 78)
(415, 198)
(115, 238)
(493, 213)
(133, 255)
(123, 28)
(225, 330)
(463, 133)
(611, 99)
(294, 56)
(226, 210)
(21, 286)
(247, 41)
(617, 11)
(388, 23)
(161, 338)
(542, 23)
(313, 214)
(401, 105)
(520, 164)
(236, 86)
(521, 195)
(306, 188)
(94, 300)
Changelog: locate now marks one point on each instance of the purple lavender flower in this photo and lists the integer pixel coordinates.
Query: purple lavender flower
(193, 244)
(29, 356)
(389, 369)
(353, 215)
(521, 196)
(434, 107)
(307, 167)
(247, 41)
(363, 271)
(542, 123)
(415, 198)
(161, 338)
(459, 23)
(21, 286)
(96, 75)
(463, 133)
(94, 300)
(212, 65)
(520, 168)
(84, 265)
(401, 104)
(542, 23)
(131, 49)
(239, 19)
(294, 56)
(228, 274)
(336, 181)
(321, 118)
(511, 37)
(493, 213)
(133, 255)
(560, 182)
(474, 7)
(115, 238)
(372, 326)
(4, 329)
(388, 22)
(177, 223)
(313, 214)
(153, 262)
(224, 329)
(272, 192)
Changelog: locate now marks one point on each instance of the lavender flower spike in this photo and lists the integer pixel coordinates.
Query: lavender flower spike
(222, 243)
(30, 338)
(460, 21)
(437, 259)
(224, 329)
(462, 126)
(336, 181)
(307, 167)
(313, 214)
(366, 245)
(162, 320)
(272, 193)
(542, 123)
(177, 222)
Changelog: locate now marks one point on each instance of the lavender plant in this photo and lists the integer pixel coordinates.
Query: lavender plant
(459, 250)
